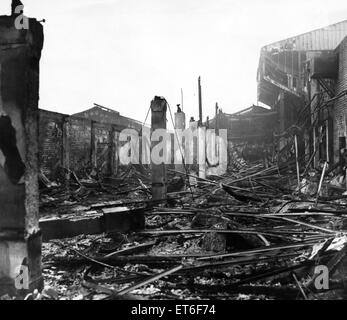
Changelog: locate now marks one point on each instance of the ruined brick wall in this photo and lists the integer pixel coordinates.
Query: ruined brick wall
(80, 143)
(340, 108)
(50, 141)
(103, 139)
(79, 137)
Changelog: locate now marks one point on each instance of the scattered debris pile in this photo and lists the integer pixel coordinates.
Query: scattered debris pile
(250, 234)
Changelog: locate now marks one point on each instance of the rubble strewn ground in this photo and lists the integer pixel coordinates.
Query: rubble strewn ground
(246, 235)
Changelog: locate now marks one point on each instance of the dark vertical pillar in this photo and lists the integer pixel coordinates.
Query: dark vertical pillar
(66, 148)
(93, 142)
(159, 179)
(112, 151)
(200, 103)
(116, 152)
(342, 145)
(20, 236)
(282, 117)
(330, 140)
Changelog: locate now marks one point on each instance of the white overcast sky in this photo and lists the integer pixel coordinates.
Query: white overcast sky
(121, 53)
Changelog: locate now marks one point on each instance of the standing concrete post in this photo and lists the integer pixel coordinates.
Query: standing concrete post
(180, 120)
(159, 179)
(20, 236)
(202, 152)
(180, 125)
(192, 147)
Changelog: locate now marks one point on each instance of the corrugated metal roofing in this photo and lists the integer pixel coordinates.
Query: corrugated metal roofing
(327, 38)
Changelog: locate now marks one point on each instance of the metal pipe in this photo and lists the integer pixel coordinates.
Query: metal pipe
(297, 161)
(321, 181)
(200, 103)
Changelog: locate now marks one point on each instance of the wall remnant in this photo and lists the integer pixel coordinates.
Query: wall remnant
(80, 142)
(20, 236)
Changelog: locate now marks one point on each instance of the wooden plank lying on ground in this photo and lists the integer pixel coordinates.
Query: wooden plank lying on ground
(112, 220)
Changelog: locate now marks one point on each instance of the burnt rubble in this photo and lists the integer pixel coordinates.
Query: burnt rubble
(249, 234)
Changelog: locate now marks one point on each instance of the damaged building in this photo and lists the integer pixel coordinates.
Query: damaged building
(82, 142)
(250, 132)
(303, 78)
(77, 224)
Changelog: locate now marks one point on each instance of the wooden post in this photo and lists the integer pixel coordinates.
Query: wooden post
(159, 179)
(20, 236)
(201, 139)
(282, 118)
(321, 181)
(200, 103)
(297, 161)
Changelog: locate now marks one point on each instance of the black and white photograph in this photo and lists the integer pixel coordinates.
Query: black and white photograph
(170, 155)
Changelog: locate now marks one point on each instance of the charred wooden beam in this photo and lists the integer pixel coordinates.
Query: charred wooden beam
(118, 219)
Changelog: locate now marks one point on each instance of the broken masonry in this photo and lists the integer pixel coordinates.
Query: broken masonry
(20, 236)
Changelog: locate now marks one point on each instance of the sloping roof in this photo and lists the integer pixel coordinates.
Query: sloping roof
(99, 108)
(105, 115)
(327, 38)
(252, 111)
(342, 44)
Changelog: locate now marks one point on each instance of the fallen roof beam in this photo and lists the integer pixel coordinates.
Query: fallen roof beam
(112, 220)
